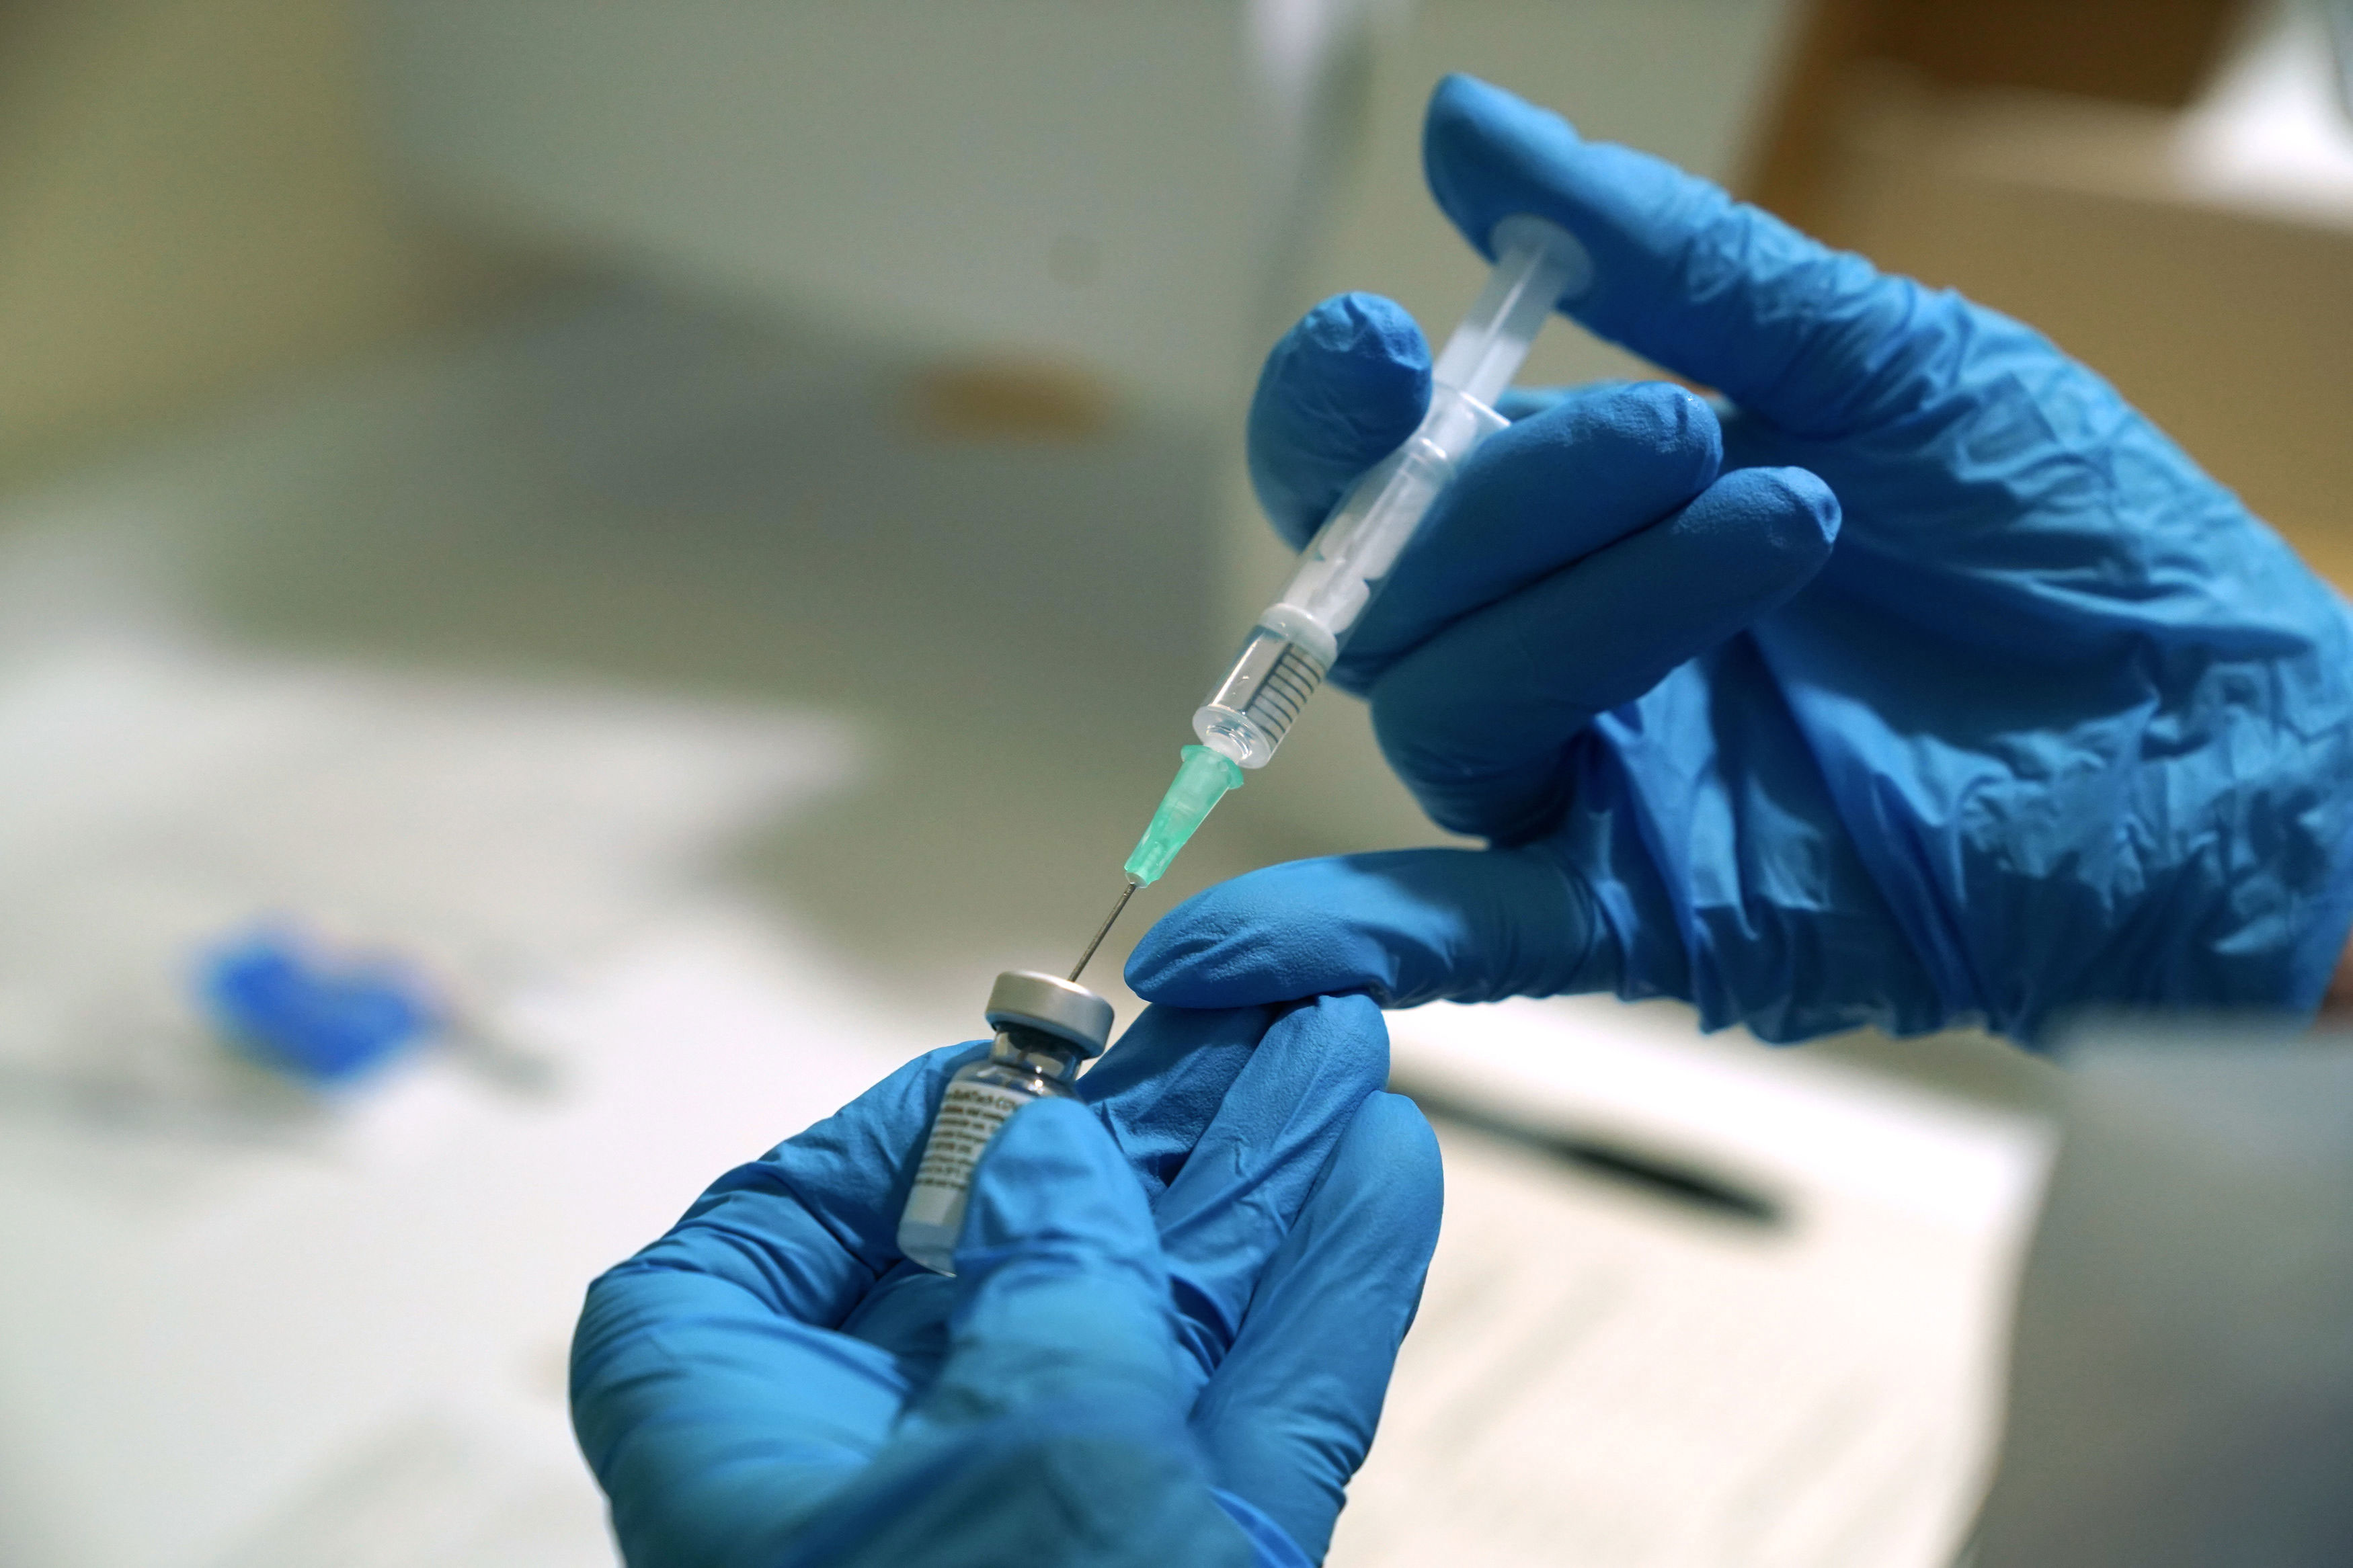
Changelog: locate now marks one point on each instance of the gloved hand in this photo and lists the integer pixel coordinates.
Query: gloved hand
(2056, 723)
(1172, 1323)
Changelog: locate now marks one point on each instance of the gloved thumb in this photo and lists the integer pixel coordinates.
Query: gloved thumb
(1055, 1430)
(1061, 1290)
(1405, 927)
(1337, 394)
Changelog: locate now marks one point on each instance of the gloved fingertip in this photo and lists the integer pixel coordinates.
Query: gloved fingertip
(1397, 1137)
(1339, 392)
(1402, 927)
(1160, 964)
(1360, 333)
(1052, 1182)
(1644, 446)
(1391, 1144)
(1810, 495)
(1270, 935)
(1349, 1013)
(1787, 521)
(1467, 119)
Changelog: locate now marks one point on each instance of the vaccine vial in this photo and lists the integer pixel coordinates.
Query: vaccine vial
(1045, 1027)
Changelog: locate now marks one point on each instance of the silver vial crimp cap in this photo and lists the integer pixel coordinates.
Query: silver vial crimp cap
(1052, 1005)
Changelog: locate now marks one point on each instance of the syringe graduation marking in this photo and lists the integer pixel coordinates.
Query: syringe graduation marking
(1289, 685)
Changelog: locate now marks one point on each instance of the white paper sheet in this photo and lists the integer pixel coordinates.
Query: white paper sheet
(1607, 1376)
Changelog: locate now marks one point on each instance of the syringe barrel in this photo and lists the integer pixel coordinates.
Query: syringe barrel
(1351, 554)
(1343, 566)
(1286, 655)
(1253, 708)
(1536, 265)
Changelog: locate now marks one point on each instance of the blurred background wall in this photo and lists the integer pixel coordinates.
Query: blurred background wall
(193, 201)
(202, 193)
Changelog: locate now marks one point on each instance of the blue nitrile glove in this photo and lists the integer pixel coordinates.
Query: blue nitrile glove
(1162, 1344)
(2056, 723)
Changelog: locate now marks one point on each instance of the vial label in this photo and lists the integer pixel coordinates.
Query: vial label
(970, 1114)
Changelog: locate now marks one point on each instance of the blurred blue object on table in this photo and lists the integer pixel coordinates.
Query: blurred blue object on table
(325, 1017)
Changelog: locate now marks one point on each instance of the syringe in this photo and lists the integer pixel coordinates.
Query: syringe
(1284, 659)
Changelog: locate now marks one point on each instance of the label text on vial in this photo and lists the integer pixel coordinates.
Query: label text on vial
(970, 1114)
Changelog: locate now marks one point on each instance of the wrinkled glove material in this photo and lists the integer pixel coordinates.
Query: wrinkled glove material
(1167, 1341)
(2055, 723)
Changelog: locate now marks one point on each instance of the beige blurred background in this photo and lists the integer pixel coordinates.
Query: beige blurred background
(196, 205)
(199, 200)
